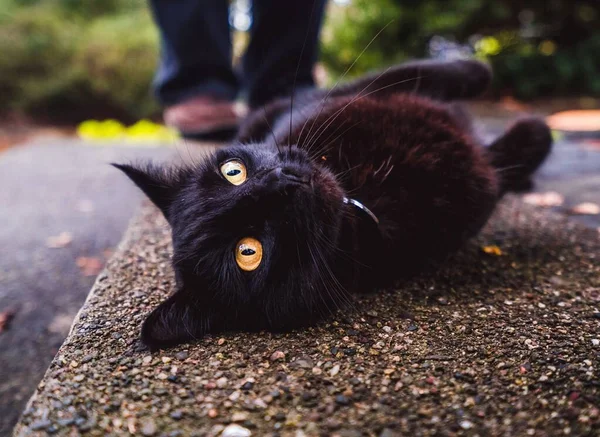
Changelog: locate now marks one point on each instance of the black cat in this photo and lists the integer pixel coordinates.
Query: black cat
(365, 184)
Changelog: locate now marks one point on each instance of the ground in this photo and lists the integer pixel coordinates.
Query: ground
(48, 188)
(503, 343)
(57, 186)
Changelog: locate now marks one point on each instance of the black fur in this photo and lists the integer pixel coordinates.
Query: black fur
(382, 140)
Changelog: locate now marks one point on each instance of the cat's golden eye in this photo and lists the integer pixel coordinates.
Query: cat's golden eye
(234, 171)
(248, 254)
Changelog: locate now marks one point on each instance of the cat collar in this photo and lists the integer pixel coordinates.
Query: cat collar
(362, 207)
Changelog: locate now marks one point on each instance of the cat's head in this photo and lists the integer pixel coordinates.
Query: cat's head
(254, 233)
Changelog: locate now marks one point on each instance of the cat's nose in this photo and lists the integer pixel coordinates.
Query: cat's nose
(287, 178)
(294, 174)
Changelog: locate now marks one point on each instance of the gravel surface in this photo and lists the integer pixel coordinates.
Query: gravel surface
(61, 190)
(493, 344)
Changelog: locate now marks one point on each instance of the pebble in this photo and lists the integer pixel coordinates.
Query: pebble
(234, 430)
(334, 370)
(342, 400)
(277, 355)
(148, 427)
(465, 424)
(39, 425)
(240, 416)
(176, 415)
(88, 358)
(248, 385)
(303, 363)
(412, 328)
(222, 382)
(595, 341)
(181, 355)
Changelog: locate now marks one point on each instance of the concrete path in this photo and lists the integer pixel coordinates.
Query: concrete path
(490, 345)
(47, 189)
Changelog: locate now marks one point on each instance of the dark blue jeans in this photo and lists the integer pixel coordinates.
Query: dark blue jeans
(196, 49)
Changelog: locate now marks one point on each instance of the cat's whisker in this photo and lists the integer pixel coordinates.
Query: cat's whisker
(309, 139)
(335, 286)
(510, 167)
(271, 130)
(320, 276)
(326, 144)
(334, 116)
(310, 20)
(324, 99)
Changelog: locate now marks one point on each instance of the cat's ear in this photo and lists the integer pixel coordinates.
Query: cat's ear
(158, 183)
(176, 320)
(439, 80)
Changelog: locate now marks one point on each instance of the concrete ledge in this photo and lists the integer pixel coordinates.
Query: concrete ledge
(491, 345)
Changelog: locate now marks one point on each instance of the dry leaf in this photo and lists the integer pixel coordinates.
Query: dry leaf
(586, 208)
(90, 266)
(61, 240)
(492, 250)
(551, 198)
(5, 319)
(511, 104)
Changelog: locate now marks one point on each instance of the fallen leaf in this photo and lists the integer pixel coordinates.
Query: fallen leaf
(5, 319)
(492, 250)
(59, 241)
(551, 198)
(511, 104)
(90, 266)
(586, 208)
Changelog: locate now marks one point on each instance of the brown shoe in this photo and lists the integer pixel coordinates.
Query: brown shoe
(202, 115)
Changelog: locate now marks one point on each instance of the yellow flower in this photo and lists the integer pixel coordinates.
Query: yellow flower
(142, 131)
(488, 46)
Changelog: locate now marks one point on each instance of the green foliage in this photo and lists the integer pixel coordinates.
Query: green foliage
(59, 62)
(537, 48)
(398, 29)
(86, 58)
(119, 63)
(527, 72)
(36, 48)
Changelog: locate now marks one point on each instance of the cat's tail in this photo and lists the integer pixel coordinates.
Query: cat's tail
(518, 153)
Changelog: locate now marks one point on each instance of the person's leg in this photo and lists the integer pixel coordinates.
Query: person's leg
(280, 30)
(195, 50)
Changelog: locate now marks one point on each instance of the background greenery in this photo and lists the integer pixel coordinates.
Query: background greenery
(73, 59)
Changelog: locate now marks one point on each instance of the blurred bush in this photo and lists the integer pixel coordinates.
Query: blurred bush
(73, 59)
(536, 47)
(78, 59)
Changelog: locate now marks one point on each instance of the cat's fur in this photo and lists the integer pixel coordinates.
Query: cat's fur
(391, 141)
